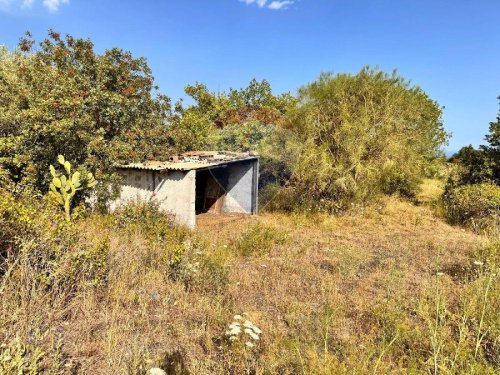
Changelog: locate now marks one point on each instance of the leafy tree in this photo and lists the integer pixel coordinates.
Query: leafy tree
(64, 98)
(493, 147)
(478, 166)
(361, 135)
(474, 167)
(197, 125)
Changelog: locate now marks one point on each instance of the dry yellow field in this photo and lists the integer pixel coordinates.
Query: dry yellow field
(390, 288)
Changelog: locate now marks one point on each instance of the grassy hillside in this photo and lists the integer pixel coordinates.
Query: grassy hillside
(390, 288)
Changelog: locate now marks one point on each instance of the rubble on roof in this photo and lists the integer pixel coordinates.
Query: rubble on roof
(210, 156)
(194, 160)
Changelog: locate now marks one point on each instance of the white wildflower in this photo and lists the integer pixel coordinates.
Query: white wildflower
(237, 317)
(249, 344)
(235, 331)
(256, 330)
(157, 371)
(478, 263)
(253, 327)
(439, 274)
(251, 333)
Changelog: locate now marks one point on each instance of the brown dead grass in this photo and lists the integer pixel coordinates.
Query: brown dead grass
(341, 295)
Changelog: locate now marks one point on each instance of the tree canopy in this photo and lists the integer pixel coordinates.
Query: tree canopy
(342, 139)
(64, 98)
(477, 166)
(198, 123)
(493, 147)
(362, 134)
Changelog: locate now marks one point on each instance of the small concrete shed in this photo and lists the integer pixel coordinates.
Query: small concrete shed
(193, 183)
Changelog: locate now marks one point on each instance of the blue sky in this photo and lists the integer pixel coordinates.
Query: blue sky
(450, 48)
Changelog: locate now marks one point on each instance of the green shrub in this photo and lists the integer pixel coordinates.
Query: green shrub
(158, 226)
(259, 240)
(18, 358)
(138, 212)
(90, 264)
(15, 218)
(362, 135)
(471, 166)
(187, 262)
(402, 184)
(475, 205)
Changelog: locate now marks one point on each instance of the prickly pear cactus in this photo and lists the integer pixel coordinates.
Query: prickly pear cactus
(64, 186)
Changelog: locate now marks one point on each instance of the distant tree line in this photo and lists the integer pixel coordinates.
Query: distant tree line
(472, 194)
(482, 165)
(342, 139)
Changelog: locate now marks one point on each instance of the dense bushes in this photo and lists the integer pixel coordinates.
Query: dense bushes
(472, 194)
(471, 166)
(362, 135)
(476, 205)
(342, 139)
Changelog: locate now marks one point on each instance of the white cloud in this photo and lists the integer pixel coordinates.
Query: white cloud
(277, 5)
(13, 5)
(260, 3)
(53, 5)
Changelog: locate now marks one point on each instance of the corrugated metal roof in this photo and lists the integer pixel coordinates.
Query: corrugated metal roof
(193, 160)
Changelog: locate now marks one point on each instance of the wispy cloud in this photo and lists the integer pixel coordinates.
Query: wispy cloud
(260, 3)
(274, 5)
(53, 5)
(27, 4)
(13, 5)
(277, 5)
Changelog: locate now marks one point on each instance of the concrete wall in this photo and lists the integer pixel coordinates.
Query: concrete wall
(242, 187)
(173, 190)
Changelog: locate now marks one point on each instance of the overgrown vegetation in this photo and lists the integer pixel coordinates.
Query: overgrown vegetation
(392, 289)
(64, 98)
(387, 287)
(473, 189)
(344, 139)
(475, 205)
(359, 136)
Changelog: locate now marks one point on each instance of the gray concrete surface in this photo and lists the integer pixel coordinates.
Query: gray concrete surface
(175, 191)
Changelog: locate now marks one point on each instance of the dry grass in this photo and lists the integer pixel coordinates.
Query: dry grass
(352, 294)
(431, 191)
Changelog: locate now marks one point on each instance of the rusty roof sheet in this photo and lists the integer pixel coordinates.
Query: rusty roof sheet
(193, 160)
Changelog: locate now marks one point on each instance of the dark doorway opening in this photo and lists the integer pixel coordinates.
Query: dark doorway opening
(210, 190)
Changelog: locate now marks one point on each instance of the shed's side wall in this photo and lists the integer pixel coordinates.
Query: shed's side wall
(242, 184)
(174, 191)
